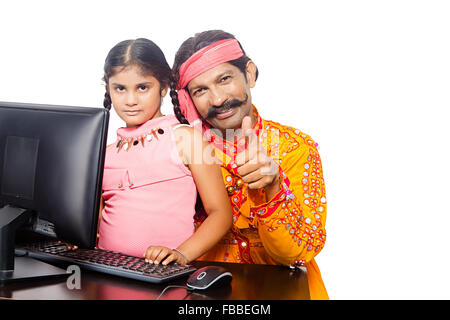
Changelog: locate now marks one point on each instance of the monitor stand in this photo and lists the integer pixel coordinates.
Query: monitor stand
(13, 269)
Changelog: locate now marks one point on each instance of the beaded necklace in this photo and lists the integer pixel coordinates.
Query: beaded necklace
(126, 144)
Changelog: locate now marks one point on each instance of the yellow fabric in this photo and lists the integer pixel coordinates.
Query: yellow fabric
(289, 229)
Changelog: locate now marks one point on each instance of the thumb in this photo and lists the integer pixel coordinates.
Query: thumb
(247, 131)
(246, 126)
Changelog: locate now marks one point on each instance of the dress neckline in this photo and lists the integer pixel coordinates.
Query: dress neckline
(145, 128)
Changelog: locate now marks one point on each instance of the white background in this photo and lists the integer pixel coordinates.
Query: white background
(368, 80)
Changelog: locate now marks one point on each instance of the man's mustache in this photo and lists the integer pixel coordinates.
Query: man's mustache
(233, 103)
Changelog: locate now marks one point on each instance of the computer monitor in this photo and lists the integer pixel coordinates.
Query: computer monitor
(51, 171)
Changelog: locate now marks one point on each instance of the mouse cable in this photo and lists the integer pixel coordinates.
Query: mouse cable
(169, 287)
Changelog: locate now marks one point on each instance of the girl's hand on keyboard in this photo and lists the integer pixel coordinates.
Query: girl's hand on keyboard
(163, 255)
(69, 246)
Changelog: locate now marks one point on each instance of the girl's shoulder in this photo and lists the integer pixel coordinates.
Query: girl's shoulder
(181, 130)
(189, 142)
(180, 125)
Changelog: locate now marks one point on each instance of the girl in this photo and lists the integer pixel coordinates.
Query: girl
(151, 180)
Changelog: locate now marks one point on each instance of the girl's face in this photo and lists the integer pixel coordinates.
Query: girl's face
(136, 97)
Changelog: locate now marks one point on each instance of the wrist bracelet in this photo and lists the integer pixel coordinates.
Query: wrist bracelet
(187, 260)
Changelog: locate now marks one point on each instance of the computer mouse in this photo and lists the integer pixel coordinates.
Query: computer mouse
(208, 277)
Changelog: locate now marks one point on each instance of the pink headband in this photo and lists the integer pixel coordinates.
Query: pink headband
(203, 60)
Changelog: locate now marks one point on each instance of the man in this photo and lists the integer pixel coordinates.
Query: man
(272, 172)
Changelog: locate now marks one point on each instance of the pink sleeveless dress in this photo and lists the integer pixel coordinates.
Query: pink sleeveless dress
(148, 192)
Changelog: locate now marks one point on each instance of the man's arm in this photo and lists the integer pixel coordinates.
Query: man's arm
(292, 223)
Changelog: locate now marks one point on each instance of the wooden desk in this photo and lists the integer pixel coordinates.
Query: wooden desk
(250, 282)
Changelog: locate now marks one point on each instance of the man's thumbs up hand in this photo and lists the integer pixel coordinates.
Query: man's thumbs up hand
(256, 168)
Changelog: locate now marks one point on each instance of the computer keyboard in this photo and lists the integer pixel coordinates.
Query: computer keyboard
(113, 263)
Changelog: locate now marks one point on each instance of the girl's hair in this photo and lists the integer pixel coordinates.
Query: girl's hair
(141, 52)
(187, 49)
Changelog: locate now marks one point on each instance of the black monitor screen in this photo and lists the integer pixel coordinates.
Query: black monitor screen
(51, 162)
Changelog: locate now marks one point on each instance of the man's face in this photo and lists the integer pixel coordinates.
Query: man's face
(222, 95)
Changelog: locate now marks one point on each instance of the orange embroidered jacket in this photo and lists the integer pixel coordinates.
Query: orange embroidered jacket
(289, 229)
